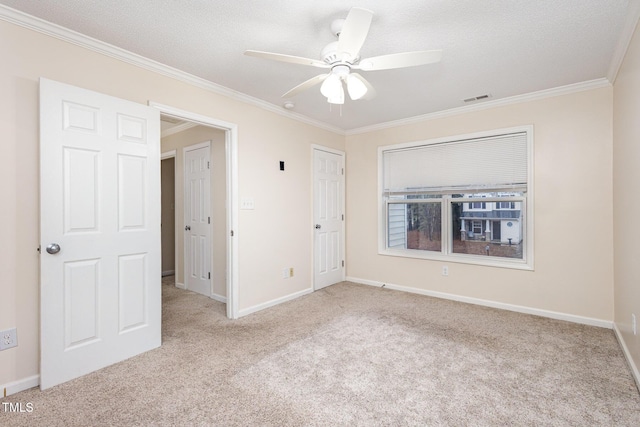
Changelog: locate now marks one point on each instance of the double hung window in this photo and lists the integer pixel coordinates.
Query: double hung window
(465, 199)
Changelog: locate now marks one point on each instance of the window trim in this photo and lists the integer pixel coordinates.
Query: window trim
(526, 263)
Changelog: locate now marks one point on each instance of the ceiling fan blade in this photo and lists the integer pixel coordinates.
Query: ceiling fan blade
(399, 60)
(286, 58)
(354, 32)
(305, 85)
(352, 87)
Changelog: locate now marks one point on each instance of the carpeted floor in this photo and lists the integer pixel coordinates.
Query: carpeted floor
(352, 355)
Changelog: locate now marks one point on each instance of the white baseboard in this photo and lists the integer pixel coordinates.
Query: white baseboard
(168, 273)
(181, 286)
(627, 355)
(20, 385)
(273, 302)
(219, 298)
(487, 303)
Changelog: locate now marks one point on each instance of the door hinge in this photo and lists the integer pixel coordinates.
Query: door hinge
(343, 217)
(209, 220)
(208, 165)
(343, 263)
(231, 233)
(342, 171)
(209, 275)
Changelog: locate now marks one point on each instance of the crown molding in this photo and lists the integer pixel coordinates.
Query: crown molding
(53, 30)
(533, 96)
(629, 28)
(178, 129)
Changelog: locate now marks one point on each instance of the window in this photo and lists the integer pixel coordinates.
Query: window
(505, 205)
(464, 199)
(478, 205)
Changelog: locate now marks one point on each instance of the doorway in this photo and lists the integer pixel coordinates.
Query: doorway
(168, 217)
(223, 255)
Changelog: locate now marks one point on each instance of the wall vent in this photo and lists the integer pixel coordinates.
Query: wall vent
(478, 98)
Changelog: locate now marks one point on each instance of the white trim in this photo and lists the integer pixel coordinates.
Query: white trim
(274, 302)
(627, 355)
(168, 154)
(342, 154)
(36, 24)
(231, 149)
(20, 385)
(488, 303)
(533, 96)
(181, 286)
(626, 35)
(177, 129)
(219, 298)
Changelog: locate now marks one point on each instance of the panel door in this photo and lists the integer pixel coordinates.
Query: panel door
(197, 219)
(100, 231)
(329, 218)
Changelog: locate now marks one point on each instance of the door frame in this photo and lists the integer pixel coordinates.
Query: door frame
(231, 154)
(314, 148)
(205, 144)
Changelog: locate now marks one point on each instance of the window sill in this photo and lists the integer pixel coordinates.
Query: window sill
(516, 264)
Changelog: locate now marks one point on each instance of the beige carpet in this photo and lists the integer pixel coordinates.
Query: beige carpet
(352, 355)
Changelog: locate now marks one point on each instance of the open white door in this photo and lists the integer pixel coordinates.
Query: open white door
(328, 195)
(100, 231)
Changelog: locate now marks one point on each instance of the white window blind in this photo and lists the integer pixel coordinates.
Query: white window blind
(490, 163)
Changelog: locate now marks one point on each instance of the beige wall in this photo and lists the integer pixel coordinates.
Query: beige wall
(626, 203)
(573, 215)
(274, 235)
(177, 142)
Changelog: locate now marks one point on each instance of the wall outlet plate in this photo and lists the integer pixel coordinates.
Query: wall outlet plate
(8, 339)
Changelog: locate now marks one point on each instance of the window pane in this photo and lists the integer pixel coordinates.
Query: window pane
(415, 226)
(496, 230)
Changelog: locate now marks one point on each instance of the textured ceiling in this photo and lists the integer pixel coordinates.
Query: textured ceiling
(498, 47)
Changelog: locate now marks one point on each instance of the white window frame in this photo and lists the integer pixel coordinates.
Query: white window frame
(446, 254)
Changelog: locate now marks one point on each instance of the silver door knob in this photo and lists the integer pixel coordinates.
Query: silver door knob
(318, 226)
(53, 248)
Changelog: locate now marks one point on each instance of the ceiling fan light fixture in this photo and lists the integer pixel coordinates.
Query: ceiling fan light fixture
(332, 86)
(357, 89)
(338, 96)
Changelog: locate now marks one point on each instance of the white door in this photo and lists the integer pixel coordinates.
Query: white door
(100, 231)
(328, 178)
(197, 218)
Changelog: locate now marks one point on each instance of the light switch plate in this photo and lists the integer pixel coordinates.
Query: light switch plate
(247, 203)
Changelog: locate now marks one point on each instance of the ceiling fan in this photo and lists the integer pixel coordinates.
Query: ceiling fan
(343, 56)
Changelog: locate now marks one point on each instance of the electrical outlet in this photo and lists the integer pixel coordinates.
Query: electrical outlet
(8, 339)
(445, 270)
(285, 273)
(633, 324)
(291, 272)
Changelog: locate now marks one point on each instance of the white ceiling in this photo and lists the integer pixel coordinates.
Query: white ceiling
(499, 47)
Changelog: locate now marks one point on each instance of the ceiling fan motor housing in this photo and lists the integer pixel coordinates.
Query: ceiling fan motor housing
(331, 56)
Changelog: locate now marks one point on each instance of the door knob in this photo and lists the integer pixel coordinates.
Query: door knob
(53, 248)
(187, 227)
(318, 226)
